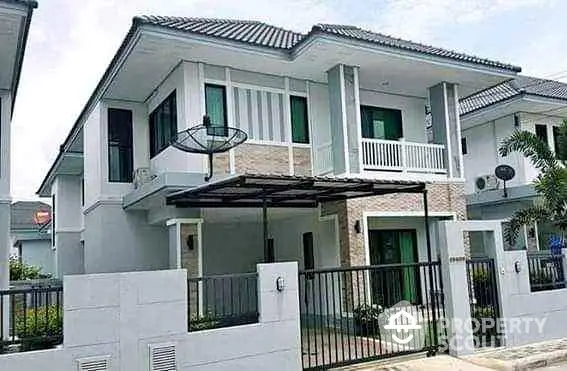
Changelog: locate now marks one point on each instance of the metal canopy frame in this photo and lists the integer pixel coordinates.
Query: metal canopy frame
(280, 191)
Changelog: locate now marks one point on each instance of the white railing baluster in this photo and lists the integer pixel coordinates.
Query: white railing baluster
(401, 155)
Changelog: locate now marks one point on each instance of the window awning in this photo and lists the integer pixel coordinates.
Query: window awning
(253, 190)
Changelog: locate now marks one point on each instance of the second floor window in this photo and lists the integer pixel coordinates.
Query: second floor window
(163, 124)
(120, 160)
(215, 104)
(381, 123)
(299, 120)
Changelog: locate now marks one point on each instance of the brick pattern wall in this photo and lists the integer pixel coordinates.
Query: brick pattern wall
(189, 258)
(442, 197)
(302, 161)
(261, 159)
(221, 164)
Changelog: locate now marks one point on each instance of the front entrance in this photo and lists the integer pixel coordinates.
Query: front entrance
(341, 321)
(394, 285)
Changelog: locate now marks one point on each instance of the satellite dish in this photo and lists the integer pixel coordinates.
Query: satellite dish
(505, 173)
(207, 139)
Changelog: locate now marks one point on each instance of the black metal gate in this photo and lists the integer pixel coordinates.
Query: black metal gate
(485, 307)
(342, 318)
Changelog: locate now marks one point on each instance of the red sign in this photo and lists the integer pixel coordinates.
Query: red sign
(41, 217)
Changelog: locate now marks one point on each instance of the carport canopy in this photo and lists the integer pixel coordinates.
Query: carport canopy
(269, 191)
(252, 190)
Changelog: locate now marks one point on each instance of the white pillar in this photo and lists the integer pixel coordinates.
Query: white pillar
(457, 302)
(281, 306)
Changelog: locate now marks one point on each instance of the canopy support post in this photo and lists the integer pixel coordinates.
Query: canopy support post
(265, 228)
(433, 283)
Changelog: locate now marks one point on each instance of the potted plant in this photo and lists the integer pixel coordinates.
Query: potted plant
(366, 319)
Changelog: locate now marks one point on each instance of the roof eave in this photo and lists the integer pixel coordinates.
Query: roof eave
(21, 49)
(497, 67)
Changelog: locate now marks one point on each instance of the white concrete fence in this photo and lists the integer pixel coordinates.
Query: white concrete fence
(138, 322)
(526, 316)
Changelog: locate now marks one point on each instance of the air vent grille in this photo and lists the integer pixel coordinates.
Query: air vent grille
(162, 357)
(94, 364)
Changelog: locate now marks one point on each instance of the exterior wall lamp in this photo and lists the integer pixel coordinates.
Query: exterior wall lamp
(280, 284)
(357, 228)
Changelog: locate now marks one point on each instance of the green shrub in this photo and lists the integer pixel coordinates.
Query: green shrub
(483, 287)
(39, 328)
(366, 319)
(20, 271)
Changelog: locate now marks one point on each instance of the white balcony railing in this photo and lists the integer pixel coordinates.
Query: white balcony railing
(392, 155)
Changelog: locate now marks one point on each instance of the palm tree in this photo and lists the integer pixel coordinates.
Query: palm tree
(550, 205)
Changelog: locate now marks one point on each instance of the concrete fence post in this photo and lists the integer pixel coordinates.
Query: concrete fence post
(281, 306)
(457, 302)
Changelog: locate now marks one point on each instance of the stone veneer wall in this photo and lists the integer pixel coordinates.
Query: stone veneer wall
(302, 161)
(442, 197)
(221, 164)
(261, 159)
(266, 159)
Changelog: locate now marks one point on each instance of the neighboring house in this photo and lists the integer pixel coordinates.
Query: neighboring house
(30, 234)
(15, 18)
(339, 102)
(488, 117)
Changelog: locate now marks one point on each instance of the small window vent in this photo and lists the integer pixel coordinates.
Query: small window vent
(94, 364)
(162, 357)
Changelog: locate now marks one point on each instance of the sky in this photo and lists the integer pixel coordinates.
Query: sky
(71, 43)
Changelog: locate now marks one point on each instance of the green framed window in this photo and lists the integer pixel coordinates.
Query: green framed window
(299, 120)
(163, 124)
(215, 105)
(381, 123)
(120, 160)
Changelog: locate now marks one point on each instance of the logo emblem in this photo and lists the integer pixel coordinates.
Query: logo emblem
(401, 324)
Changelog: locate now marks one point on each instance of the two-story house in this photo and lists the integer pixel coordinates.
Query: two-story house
(524, 103)
(329, 108)
(15, 18)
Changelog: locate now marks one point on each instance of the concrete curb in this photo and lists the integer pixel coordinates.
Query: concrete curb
(521, 364)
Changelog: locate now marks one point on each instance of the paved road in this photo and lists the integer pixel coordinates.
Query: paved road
(557, 367)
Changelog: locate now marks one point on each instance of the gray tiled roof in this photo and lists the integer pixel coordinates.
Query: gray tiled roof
(356, 33)
(21, 214)
(516, 87)
(253, 32)
(262, 34)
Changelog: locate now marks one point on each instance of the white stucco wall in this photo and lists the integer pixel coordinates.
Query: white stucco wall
(5, 198)
(244, 248)
(93, 145)
(483, 142)
(40, 254)
(413, 112)
(118, 316)
(184, 79)
(5, 118)
(119, 241)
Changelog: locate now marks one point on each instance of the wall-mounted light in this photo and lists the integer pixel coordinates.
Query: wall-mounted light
(357, 228)
(280, 284)
(190, 242)
(517, 266)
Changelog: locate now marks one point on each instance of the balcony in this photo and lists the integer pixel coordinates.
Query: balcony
(403, 156)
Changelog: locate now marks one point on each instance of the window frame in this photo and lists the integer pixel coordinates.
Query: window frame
(171, 99)
(371, 108)
(129, 147)
(307, 139)
(545, 139)
(225, 109)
